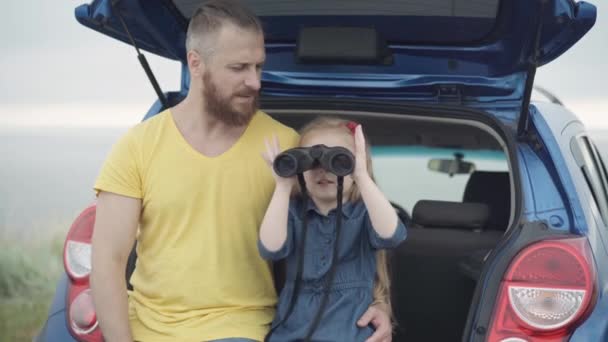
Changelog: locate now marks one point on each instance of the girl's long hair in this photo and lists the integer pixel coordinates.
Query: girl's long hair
(382, 283)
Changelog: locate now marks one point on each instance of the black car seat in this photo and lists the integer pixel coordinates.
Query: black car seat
(494, 189)
(431, 296)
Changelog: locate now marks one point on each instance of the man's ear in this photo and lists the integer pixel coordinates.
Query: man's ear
(196, 65)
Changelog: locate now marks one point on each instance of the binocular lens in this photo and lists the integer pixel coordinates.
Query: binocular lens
(341, 164)
(285, 165)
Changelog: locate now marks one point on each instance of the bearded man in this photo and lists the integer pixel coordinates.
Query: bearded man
(191, 186)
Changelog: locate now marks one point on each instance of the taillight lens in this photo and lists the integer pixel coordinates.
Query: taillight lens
(546, 309)
(82, 313)
(81, 316)
(78, 259)
(77, 248)
(545, 292)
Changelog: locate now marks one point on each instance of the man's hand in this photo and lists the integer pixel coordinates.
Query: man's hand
(379, 318)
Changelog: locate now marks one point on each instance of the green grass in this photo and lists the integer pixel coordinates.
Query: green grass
(29, 272)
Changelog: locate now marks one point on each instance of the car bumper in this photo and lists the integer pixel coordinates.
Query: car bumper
(55, 327)
(595, 327)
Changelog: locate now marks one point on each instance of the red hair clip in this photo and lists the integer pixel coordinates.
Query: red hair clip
(352, 126)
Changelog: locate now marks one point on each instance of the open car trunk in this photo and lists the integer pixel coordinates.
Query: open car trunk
(451, 231)
(436, 270)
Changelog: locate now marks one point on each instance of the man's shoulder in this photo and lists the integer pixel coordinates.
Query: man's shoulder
(266, 126)
(155, 121)
(266, 121)
(147, 128)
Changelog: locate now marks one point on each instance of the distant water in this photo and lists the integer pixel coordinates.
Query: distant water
(47, 174)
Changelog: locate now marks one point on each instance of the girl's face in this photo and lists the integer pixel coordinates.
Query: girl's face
(322, 186)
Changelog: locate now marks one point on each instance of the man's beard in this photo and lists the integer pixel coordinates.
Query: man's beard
(221, 109)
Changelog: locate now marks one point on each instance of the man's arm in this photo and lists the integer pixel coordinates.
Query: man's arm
(378, 315)
(116, 222)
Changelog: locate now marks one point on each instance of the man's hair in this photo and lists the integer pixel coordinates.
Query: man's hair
(209, 18)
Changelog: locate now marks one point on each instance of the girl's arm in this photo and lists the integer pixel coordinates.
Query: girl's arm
(382, 214)
(273, 232)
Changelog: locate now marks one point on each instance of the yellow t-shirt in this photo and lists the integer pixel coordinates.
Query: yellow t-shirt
(198, 275)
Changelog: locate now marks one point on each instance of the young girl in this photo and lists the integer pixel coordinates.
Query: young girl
(369, 223)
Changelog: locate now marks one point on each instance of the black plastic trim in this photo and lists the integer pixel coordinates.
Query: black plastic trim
(524, 115)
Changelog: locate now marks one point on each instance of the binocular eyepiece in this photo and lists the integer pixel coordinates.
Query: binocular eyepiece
(337, 160)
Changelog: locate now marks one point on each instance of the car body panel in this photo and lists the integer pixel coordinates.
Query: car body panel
(556, 127)
(508, 48)
(486, 72)
(55, 328)
(542, 201)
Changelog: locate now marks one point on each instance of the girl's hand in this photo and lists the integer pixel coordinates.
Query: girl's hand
(360, 155)
(273, 149)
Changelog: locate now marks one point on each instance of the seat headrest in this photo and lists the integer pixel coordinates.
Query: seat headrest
(494, 189)
(442, 214)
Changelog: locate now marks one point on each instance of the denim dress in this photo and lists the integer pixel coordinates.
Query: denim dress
(351, 292)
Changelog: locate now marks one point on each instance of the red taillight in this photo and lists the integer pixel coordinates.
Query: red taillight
(82, 312)
(81, 316)
(77, 248)
(546, 291)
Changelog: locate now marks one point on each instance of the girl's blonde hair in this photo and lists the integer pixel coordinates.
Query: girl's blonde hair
(382, 283)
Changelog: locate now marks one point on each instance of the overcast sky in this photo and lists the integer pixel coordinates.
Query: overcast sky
(55, 71)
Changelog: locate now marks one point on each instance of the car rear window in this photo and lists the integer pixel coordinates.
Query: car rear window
(422, 21)
(594, 170)
(403, 172)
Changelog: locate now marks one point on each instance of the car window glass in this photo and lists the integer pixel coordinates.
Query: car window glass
(403, 174)
(601, 168)
(461, 21)
(601, 165)
(594, 173)
(425, 8)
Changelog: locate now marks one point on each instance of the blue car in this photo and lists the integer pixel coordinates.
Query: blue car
(507, 199)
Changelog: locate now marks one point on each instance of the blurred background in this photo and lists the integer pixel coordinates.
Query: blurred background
(67, 93)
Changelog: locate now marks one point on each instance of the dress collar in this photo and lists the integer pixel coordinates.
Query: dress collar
(348, 209)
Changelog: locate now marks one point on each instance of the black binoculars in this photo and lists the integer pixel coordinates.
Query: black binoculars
(337, 160)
